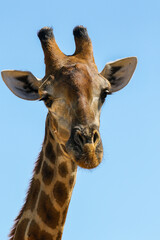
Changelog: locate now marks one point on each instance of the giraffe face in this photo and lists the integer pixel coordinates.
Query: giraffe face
(73, 92)
(74, 97)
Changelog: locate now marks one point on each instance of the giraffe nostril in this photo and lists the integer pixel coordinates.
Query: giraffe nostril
(95, 137)
(79, 139)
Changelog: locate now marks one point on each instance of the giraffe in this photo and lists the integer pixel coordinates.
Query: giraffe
(73, 91)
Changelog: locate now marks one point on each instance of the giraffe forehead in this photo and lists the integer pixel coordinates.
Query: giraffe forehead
(74, 80)
(75, 77)
(78, 77)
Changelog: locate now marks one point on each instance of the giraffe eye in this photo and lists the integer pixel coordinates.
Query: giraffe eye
(44, 98)
(104, 94)
(47, 100)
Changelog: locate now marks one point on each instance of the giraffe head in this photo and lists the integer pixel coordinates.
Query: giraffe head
(73, 91)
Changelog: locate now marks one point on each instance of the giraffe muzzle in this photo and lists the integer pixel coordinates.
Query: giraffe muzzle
(81, 139)
(85, 146)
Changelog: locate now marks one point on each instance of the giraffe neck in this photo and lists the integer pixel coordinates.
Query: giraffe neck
(44, 212)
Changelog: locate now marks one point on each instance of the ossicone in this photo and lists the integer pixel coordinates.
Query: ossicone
(55, 58)
(45, 34)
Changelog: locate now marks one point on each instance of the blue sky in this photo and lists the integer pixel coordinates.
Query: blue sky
(119, 199)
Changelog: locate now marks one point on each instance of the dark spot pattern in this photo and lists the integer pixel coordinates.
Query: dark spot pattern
(39, 162)
(32, 194)
(73, 165)
(60, 193)
(64, 215)
(47, 173)
(49, 215)
(20, 230)
(49, 152)
(63, 170)
(71, 181)
(35, 233)
(59, 235)
(46, 129)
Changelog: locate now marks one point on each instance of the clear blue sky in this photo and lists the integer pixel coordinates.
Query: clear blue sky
(120, 200)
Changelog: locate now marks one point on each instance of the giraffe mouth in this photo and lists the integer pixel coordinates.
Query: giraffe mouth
(87, 156)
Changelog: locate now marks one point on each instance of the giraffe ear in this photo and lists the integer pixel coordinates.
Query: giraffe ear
(23, 84)
(119, 73)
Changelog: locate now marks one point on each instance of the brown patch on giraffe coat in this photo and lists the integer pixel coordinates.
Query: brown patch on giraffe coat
(59, 235)
(32, 194)
(60, 193)
(20, 230)
(49, 215)
(63, 169)
(73, 165)
(49, 152)
(39, 162)
(71, 181)
(47, 173)
(59, 152)
(51, 135)
(29, 204)
(35, 233)
(46, 129)
(64, 215)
